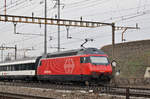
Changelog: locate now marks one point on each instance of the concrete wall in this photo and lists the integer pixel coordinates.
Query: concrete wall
(133, 57)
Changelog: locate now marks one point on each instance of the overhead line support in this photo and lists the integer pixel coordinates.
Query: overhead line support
(62, 22)
(51, 21)
(125, 29)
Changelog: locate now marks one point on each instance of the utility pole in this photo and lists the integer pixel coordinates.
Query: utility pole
(58, 25)
(5, 8)
(113, 41)
(45, 31)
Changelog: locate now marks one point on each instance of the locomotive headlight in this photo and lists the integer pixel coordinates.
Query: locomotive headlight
(114, 63)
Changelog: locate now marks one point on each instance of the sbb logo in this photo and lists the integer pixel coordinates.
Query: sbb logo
(69, 66)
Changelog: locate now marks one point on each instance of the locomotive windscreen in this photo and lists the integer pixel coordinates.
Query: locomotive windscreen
(99, 60)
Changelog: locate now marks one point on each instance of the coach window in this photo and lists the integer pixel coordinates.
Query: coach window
(29, 66)
(5, 68)
(16, 67)
(12, 68)
(26, 67)
(33, 66)
(23, 67)
(19, 67)
(8, 68)
(2, 68)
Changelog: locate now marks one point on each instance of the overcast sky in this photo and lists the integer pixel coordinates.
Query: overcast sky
(122, 12)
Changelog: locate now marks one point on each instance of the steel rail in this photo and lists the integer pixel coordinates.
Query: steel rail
(22, 96)
(131, 91)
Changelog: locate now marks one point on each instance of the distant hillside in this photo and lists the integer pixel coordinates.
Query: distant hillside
(133, 57)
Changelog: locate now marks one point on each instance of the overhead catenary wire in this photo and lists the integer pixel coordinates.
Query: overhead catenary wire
(13, 5)
(89, 5)
(138, 6)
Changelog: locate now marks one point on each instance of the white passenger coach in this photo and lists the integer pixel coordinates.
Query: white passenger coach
(20, 69)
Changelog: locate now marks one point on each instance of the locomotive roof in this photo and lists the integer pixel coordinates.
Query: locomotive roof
(76, 52)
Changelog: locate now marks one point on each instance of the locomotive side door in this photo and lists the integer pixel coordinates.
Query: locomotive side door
(84, 65)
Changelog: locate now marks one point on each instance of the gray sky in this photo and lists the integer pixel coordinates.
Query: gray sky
(122, 12)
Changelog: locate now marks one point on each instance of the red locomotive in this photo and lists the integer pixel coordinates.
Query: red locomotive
(89, 64)
(81, 65)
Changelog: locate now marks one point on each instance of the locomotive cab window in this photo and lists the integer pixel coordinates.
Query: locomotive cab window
(99, 60)
(84, 59)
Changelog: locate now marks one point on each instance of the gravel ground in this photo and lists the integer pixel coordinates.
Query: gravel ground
(58, 94)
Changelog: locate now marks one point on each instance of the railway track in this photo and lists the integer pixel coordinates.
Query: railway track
(20, 96)
(129, 91)
(112, 90)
